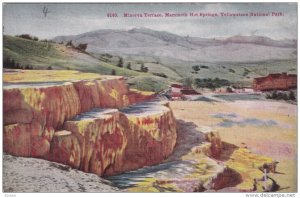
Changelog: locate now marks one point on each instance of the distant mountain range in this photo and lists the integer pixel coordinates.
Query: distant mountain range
(151, 43)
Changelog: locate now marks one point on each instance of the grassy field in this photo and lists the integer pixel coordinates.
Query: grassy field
(148, 83)
(26, 76)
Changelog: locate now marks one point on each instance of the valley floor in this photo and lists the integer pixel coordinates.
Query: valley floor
(265, 128)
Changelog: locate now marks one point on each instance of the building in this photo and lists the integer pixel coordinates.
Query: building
(282, 81)
(179, 92)
(176, 88)
(175, 91)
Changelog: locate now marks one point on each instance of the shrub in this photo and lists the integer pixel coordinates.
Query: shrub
(160, 75)
(229, 90)
(108, 55)
(187, 82)
(196, 68)
(246, 72)
(281, 96)
(231, 70)
(269, 96)
(25, 36)
(211, 83)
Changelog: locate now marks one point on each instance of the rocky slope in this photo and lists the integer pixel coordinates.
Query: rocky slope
(37, 175)
(70, 123)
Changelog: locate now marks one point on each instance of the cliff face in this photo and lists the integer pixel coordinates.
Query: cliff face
(70, 124)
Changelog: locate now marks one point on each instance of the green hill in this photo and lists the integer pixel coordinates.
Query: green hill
(41, 55)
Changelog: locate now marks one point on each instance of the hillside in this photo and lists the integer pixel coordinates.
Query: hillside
(41, 55)
(158, 44)
(161, 69)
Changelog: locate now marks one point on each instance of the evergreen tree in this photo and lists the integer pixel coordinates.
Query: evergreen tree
(12, 63)
(18, 66)
(292, 96)
(143, 68)
(128, 66)
(120, 63)
(6, 63)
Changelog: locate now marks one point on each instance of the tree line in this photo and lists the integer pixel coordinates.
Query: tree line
(12, 64)
(128, 66)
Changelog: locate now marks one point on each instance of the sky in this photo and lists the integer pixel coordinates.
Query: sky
(73, 19)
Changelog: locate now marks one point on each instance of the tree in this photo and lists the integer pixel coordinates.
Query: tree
(196, 68)
(6, 62)
(160, 75)
(12, 63)
(274, 94)
(18, 66)
(82, 47)
(120, 63)
(187, 82)
(69, 44)
(285, 96)
(229, 90)
(49, 68)
(113, 72)
(292, 96)
(128, 65)
(25, 36)
(143, 68)
(231, 70)
(146, 69)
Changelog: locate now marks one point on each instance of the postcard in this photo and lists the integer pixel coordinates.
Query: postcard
(150, 97)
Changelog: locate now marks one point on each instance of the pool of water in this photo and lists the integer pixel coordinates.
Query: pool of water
(169, 170)
(233, 119)
(31, 85)
(235, 97)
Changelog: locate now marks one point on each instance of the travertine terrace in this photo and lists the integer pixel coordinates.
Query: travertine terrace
(95, 124)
